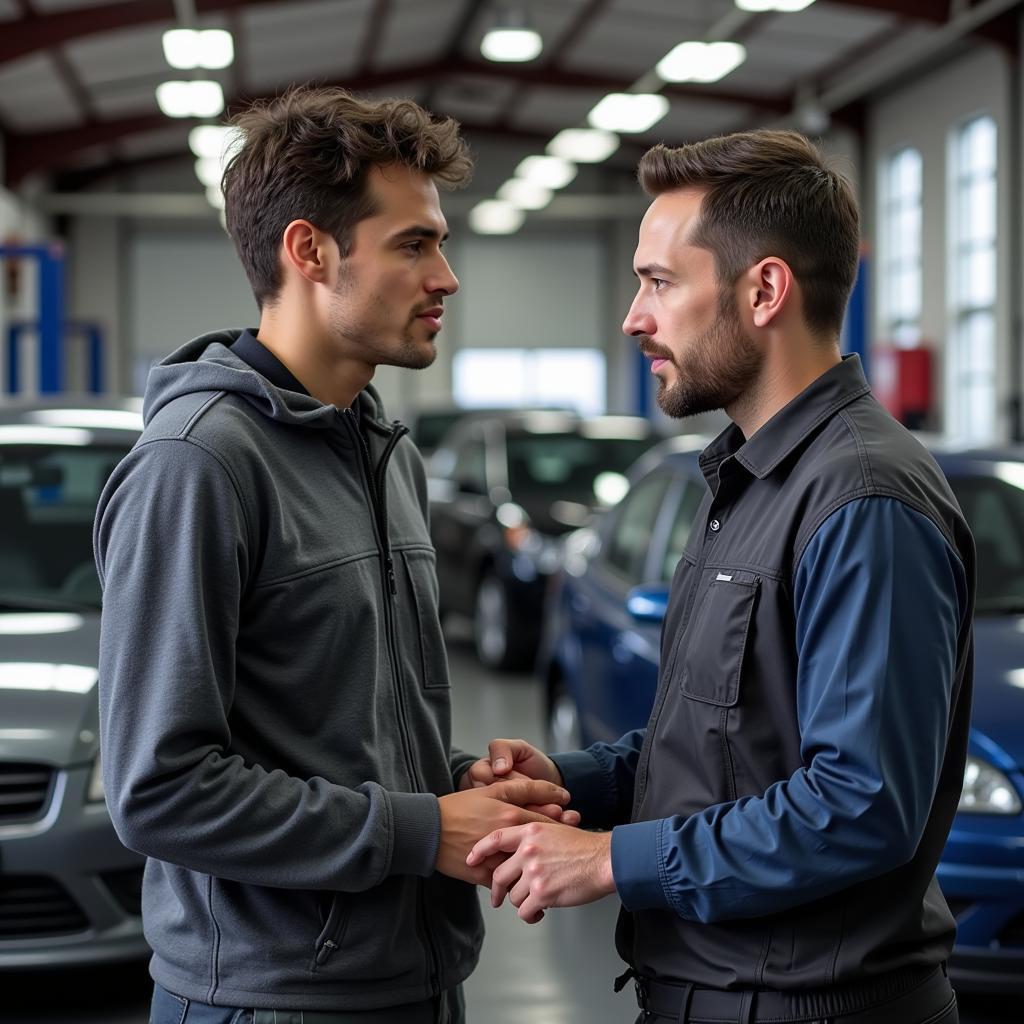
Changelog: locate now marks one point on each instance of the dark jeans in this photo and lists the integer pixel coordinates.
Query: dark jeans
(167, 1008)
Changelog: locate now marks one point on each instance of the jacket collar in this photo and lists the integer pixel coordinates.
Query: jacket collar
(836, 388)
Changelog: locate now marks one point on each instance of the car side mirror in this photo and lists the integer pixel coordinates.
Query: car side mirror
(648, 603)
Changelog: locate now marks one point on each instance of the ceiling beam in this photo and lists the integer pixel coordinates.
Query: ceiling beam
(554, 53)
(376, 23)
(43, 31)
(30, 152)
(452, 52)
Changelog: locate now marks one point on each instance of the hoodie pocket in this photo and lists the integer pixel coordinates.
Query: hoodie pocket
(420, 567)
(332, 935)
(717, 639)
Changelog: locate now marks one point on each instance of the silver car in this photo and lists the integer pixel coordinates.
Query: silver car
(69, 891)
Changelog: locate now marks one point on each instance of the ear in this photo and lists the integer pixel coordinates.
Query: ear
(770, 285)
(311, 252)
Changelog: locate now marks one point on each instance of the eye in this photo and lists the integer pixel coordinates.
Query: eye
(657, 282)
(414, 247)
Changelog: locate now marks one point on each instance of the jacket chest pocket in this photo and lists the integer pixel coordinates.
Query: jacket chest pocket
(432, 669)
(715, 642)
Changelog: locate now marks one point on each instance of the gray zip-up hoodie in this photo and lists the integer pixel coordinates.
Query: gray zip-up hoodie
(274, 696)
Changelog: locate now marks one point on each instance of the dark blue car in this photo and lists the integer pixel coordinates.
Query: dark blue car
(599, 664)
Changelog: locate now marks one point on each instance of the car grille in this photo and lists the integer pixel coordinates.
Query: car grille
(34, 906)
(24, 791)
(126, 887)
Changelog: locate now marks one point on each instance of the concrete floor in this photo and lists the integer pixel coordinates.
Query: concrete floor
(557, 972)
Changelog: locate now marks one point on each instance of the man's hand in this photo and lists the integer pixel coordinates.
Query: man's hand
(512, 759)
(468, 814)
(550, 866)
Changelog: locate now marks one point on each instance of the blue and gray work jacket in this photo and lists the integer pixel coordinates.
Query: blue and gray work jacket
(779, 822)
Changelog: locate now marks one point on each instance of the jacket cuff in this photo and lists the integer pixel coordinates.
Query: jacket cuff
(636, 866)
(587, 783)
(416, 823)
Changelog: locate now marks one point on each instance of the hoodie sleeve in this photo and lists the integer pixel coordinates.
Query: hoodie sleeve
(173, 551)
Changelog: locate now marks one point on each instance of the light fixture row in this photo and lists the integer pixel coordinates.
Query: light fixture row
(538, 177)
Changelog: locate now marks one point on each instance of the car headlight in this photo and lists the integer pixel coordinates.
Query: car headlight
(94, 794)
(987, 790)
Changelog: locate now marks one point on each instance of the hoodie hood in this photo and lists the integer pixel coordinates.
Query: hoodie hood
(207, 364)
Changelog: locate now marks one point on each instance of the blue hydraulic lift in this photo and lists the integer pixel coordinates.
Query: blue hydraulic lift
(51, 327)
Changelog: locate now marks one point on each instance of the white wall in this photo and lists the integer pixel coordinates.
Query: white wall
(180, 282)
(923, 114)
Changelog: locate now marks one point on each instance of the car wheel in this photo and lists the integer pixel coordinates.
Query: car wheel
(563, 721)
(497, 645)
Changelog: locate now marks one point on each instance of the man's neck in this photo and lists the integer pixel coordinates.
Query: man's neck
(328, 377)
(779, 382)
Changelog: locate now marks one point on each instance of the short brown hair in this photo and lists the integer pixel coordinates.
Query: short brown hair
(306, 155)
(769, 193)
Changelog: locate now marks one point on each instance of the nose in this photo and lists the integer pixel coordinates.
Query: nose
(638, 321)
(442, 280)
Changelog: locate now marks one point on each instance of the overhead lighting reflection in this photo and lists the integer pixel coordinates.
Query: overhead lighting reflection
(32, 675)
(113, 419)
(39, 623)
(1011, 473)
(17, 434)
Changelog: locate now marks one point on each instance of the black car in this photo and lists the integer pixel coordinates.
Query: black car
(504, 488)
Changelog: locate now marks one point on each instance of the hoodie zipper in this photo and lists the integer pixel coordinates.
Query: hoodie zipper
(377, 487)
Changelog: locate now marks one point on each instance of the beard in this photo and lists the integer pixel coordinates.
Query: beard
(716, 369)
(376, 341)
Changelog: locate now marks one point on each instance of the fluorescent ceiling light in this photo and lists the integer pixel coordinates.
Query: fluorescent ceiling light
(186, 48)
(209, 139)
(700, 62)
(495, 217)
(215, 197)
(527, 195)
(584, 145)
(209, 170)
(511, 44)
(190, 99)
(628, 111)
(785, 6)
(549, 171)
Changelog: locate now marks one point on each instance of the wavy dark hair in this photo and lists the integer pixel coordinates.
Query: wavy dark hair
(306, 155)
(769, 193)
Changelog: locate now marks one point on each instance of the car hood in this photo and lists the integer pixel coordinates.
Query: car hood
(998, 709)
(49, 709)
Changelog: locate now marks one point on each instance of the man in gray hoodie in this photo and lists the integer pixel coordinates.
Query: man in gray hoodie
(274, 692)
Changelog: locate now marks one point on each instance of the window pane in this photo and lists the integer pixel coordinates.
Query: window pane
(681, 525)
(631, 535)
(981, 277)
(981, 144)
(981, 211)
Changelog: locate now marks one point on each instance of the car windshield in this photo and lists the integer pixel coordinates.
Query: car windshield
(563, 467)
(48, 497)
(994, 508)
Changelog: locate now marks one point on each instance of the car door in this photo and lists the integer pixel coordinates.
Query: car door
(457, 517)
(617, 655)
